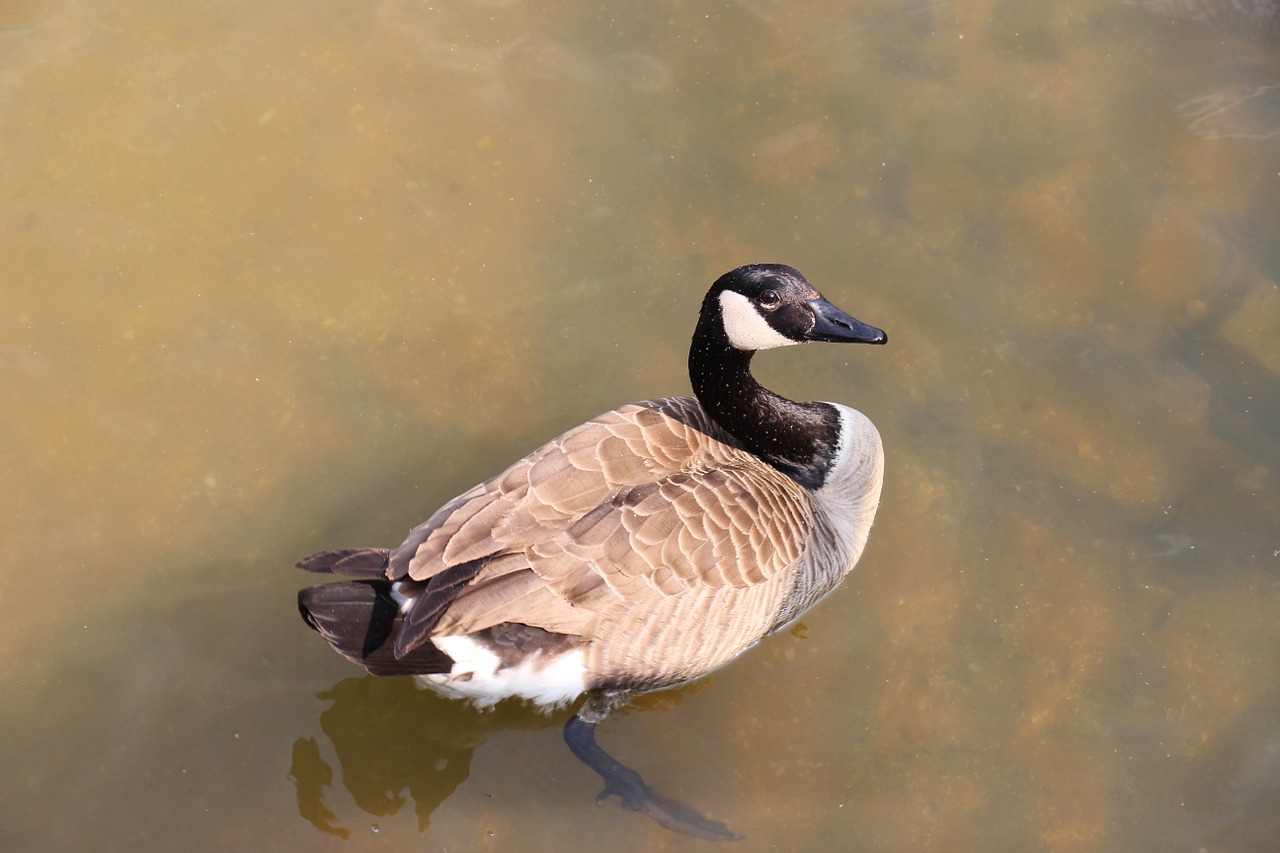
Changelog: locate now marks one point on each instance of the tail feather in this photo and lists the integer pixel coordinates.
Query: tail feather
(349, 562)
(361, 621)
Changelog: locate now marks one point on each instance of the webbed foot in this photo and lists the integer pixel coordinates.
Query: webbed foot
(631, 789)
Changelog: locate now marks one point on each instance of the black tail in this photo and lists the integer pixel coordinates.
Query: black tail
(361, 621)
(349, 562)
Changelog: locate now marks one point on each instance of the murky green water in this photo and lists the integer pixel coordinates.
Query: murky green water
(278, 277)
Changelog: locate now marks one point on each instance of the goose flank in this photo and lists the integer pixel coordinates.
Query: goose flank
(639, 550)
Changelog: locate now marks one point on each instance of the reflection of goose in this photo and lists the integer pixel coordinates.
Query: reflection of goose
(425, 769)
(639, 550)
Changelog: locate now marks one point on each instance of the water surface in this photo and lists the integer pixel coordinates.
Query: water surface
(281, 277)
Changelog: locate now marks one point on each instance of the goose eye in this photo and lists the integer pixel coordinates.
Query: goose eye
(769, 300)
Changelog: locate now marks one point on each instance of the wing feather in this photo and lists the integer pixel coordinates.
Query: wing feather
(647, 503)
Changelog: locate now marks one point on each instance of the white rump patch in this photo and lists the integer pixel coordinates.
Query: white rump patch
(747, 330)
(398, 595)
(548, 681)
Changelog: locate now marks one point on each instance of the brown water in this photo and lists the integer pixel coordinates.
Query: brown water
(278, 277)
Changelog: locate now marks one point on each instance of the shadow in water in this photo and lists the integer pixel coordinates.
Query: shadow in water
(390, 736)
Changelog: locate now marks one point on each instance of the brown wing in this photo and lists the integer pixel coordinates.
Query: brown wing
(646, 503)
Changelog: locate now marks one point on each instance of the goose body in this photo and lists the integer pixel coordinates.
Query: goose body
(639, 550)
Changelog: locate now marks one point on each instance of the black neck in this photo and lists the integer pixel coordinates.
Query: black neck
(796, 438)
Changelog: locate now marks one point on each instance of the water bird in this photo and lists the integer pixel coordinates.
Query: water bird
(637, 551)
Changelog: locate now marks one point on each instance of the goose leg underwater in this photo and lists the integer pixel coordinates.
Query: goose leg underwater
(637, 551)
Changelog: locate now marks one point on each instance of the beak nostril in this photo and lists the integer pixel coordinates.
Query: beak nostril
(832, 324)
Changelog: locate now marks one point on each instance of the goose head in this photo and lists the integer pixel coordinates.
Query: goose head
(765, 306)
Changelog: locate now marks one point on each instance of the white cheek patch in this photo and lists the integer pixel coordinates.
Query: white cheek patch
(746, 329)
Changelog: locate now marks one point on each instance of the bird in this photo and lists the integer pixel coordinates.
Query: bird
(637, 551)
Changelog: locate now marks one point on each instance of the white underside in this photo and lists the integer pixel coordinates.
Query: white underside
(477, 674)
(545, 681)
(845, 505)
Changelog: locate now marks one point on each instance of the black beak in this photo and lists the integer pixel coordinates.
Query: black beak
(832, 325)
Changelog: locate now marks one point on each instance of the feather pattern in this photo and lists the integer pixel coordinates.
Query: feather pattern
(646, 514)
(641, 549)
(648, 545)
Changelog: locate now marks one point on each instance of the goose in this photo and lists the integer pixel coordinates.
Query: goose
(637, 551)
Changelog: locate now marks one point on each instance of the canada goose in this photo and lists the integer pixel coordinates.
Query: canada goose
(639, 550)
